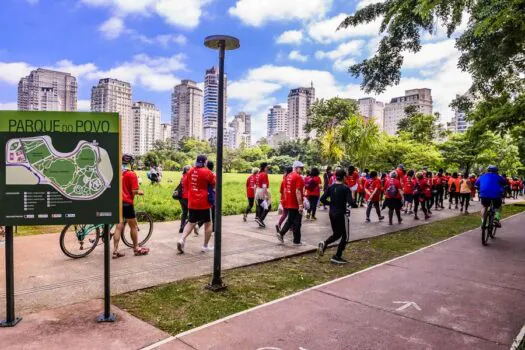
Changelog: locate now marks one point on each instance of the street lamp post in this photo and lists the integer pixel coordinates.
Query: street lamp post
(221, 43)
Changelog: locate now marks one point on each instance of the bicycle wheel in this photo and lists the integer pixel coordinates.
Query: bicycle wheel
(77, 241)
(492, 231)
(145, 229)
(485, 230)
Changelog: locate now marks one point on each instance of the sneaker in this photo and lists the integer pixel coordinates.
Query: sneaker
(410, 212)
(416, 217)
(497, 223)
(461, 210)
(381, 218)
(320, 249)
(205, 249)
(196, 231)
(466, 212)
(181, 230)
(280, 237)
(390, 223)
(367, 221)
(314, 218)
(307, 216)
(338, 261)
(277, 229)
(259, 222)
(400, 221)
(427, 217)
(297, 244)
(180, 246)
(244, 217)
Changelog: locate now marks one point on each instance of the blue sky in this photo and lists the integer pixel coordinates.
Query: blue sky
(155, 43)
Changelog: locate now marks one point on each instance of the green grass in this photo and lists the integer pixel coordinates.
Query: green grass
(183, 305)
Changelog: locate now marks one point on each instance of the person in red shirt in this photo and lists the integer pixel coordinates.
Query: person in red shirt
(250, 193)
(439, 183)
(394, 197)
(373, 192)
(473, 179)
(401, 173)
(453, 190)
(184, 200)
(313, 192)
(351, 180)
(408, 191)
(447, 179)
(361, 184)
(284, 213)
(198, 181)
(293, 202)
(130, 188)
(421, 192)
(262, 195)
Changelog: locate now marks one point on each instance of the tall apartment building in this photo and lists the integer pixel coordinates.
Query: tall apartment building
(395, 110)
(165, 131)
(47, 90)
(369, 108)
(299, 102)
(459, 122)
(186, 111)
(240, 130)
(277, 121)
(211, 103)
(112, 95)
(146, 127)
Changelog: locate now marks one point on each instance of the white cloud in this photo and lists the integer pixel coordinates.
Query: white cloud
(295, 55)
(8, 106)
(180, 13)
(258, 12)
(251, 89)
(431, 54)
(112, 28)
(164, 40)
(78, 71)
(154, 73)
(11, 72)
(342, 65)
(84, 105)
(291, 37)
(326, 32)
(364, 3)
(351, 48)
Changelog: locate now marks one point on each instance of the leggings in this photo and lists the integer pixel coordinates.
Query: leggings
(423, 204)
(250, 206)
(261, 213)
(515, 193)
(454, 196)
(465, 200)
(313, 205)
(283, 217)
(439, 197)
(339, 232)
(184, 215)
(360, 198)
(294, 222)
(369, 209)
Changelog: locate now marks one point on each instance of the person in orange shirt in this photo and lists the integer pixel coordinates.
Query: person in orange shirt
(453, 190)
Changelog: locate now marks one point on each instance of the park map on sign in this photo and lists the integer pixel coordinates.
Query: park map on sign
(83, 174)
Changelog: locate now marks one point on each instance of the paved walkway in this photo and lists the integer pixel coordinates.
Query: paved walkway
(46, 278)
(453, 295)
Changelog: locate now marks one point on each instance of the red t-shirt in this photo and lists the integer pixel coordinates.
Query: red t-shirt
(397, 184)
(281, 190)
(197, 181)
(250, 186)
(408, 185)
(317, 190)
(400, 175)
(262, 179)
(184, 187)
(361, 184)
(130, 183)
(293, 182)
(424, 187)
(351, 180)
(332, 180)
(371, 186)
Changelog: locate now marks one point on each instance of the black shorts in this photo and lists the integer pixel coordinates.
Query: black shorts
(486, 202)
(128, 211)
(409, 198)
(197, 216)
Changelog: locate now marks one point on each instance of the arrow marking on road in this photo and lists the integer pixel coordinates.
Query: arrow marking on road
(406, 305)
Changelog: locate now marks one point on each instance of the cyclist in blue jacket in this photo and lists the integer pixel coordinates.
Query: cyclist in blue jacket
(490, 187)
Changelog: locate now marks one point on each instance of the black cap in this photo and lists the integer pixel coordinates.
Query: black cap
(201, 160)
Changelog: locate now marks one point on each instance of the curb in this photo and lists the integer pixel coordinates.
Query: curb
(519, 339)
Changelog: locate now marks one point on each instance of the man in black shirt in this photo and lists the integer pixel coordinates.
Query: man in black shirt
(339, 198)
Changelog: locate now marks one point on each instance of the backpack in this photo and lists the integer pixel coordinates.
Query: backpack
(177, 192)
(310, 184)
(453, 187)
(392, 190)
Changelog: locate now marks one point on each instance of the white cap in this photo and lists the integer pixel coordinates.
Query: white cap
(297, 164)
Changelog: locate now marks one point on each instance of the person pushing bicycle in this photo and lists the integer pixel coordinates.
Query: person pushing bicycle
(130, 188)
(490, 187)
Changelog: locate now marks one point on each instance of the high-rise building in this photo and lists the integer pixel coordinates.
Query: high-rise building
(240, 130)
(112, 95)
(146, 127)
(186, 111)
(165, 131)
(459, 122)
(277, 120)
(299, 102)
(47, 90)
(211, 103)
(395, 110)
(369, 108)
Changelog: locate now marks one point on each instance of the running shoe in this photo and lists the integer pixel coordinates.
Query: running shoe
(320, 249)
(280, 237)
(205, 249)
(338, 261)
(180, 246)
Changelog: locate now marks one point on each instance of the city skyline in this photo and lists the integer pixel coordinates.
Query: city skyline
(281, 49)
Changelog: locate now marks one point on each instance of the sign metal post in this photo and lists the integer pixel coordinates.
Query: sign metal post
(11, 319)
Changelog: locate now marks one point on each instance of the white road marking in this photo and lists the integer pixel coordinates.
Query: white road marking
(406, 305)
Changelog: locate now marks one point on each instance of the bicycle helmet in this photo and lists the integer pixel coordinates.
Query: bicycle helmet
(492, 169)
(127, 159)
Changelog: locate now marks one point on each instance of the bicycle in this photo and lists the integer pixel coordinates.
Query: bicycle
(488, 229)
(78, 241)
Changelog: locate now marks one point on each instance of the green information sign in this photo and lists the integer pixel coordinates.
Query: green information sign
(59, 168)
